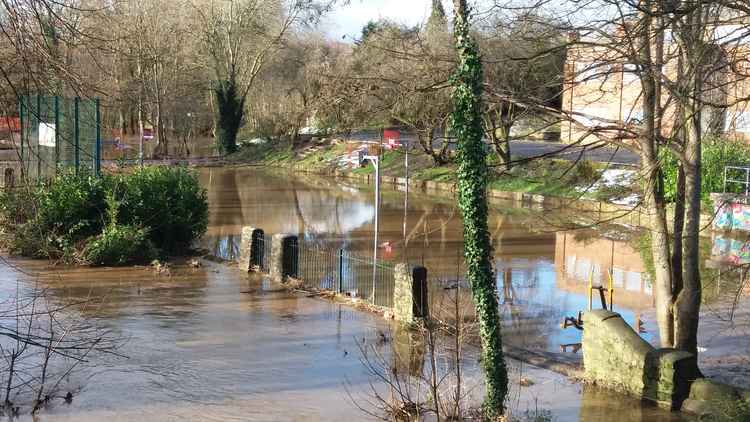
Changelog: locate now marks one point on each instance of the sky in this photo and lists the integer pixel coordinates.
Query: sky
(348, 20)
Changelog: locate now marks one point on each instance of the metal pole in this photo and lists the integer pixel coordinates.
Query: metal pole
(406, 193)
(57, 132)
(341, 271)
(38, 147)
(76, 132)
(21, 122)
(377, 226)
(98, 145)
(591, 287)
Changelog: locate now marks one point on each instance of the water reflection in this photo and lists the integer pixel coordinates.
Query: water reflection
(542, 272)
(210, 343)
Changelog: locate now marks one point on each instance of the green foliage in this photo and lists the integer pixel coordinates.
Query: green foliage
(51, 219)
(642, 244)
(73, 216)
(230, 107)
(715, 155)
(585, 172)
(119, 245)
(169, 201)
(72, 206)
(466, 125)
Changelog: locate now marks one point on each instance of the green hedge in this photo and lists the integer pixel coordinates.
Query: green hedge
(107, 220)
(167, 200)
(716, 154)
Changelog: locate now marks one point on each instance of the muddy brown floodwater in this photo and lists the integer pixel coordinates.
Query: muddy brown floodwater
(212, 343)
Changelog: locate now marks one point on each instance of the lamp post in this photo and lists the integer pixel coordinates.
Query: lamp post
(375, 160)
(406, 193)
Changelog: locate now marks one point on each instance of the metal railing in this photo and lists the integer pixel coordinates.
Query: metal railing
(265, 253)
(741, 180)
(344, 272)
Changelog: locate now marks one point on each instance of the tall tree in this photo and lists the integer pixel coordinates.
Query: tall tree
(466, 122)
(239, 36)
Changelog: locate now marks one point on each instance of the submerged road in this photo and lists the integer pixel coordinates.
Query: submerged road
(607, 154)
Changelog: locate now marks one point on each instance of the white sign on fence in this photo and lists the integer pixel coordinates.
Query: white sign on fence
(46, 134)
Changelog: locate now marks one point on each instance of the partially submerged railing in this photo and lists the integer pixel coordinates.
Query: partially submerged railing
(318, 267)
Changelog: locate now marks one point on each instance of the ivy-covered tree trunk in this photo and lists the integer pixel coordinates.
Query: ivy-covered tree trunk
(230, 109)
(466, 123)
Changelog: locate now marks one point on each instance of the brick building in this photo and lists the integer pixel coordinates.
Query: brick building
(602, 92)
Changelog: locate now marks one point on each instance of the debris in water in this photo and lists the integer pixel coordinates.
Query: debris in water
(161, 268)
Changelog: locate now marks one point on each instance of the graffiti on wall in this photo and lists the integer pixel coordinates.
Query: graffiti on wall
(732, 216)
(731, 251)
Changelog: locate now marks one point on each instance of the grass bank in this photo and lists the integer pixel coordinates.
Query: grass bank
(549, 177)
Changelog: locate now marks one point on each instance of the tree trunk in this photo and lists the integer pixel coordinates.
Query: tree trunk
(494, 123)
(687, 304)
(472, 200)
(678, 229)
(654, 195)
(229, 113)
(425, 139)
(696, 64)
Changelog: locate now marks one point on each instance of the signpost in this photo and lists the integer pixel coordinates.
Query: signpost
(393, 141)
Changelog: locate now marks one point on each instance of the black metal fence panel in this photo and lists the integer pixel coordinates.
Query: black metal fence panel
(343, 272)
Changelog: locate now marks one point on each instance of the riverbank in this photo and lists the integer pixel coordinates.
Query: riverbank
(555, 183)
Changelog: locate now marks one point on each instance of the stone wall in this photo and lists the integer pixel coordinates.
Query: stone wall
(718, 402)
(616, 357)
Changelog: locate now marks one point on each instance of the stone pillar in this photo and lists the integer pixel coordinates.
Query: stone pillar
(407, 351)
(251, 248)
(410, 293)
(284, 257)
(616, 357)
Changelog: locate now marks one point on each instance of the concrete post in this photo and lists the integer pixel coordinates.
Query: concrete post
(284, 257)
(251, 248)
(410, 293)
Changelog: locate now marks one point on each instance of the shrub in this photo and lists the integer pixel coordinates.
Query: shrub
(716, 154)
(585, 172)
(72, 205)
(91, 217)
(50, 219)
(169, 201)
(120, 245)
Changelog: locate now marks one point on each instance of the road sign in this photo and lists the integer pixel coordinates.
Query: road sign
(392, 138)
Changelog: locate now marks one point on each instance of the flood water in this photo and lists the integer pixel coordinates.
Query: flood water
(542, 267)
(212, 343)
(542, 270)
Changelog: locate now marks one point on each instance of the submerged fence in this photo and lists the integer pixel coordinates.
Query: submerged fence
(345, 272)
(321, 268)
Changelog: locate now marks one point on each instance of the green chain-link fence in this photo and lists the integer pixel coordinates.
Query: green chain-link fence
(57, 134)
